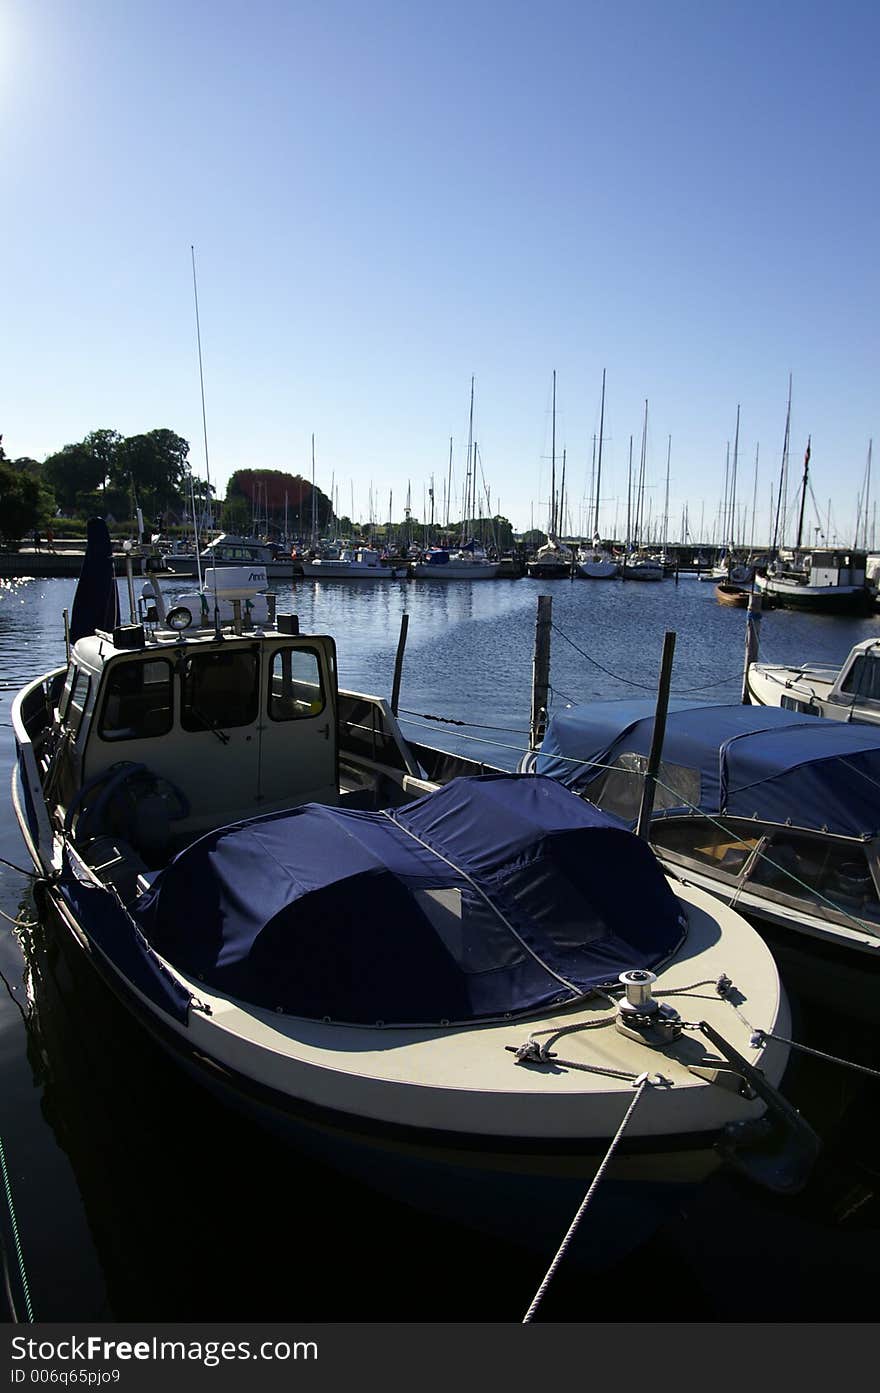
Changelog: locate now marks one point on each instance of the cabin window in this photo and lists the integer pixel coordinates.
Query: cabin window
(619, 789)
(805, 868)
(77, 699)
(790, 703)
(863, 679)
(137, 704)
(724, 848)
(296, 690)
(219, 690)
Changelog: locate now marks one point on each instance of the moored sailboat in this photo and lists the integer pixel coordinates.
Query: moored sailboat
(596, 562)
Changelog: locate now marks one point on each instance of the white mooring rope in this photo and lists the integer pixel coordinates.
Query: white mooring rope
(642, 1082)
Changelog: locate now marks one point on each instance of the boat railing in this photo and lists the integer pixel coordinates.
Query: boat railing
(369, 734)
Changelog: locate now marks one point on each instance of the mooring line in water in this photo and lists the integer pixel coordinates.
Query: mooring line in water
(18, 1252)
(646, 686)
(12, 866)
(18, 923)
(643, 1082)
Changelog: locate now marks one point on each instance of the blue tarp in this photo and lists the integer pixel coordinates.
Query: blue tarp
(753, 761)
(494, 896)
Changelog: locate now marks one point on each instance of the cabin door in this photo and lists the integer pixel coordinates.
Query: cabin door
(298, 760)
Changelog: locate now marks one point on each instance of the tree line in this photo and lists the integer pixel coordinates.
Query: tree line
(111, 476)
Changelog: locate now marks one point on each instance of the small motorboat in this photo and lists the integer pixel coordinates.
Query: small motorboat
(727, 592)
(452, 990)
(850, 692)
(355, 563)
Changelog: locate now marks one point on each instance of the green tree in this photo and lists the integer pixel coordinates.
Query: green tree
(103, 446)
(72, 470)
(153, 465)
(20, 502)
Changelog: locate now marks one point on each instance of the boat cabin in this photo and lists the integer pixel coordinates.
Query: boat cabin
(836, 567)
(237, 727)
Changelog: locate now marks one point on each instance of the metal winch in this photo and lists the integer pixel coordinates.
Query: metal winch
(641, 1016)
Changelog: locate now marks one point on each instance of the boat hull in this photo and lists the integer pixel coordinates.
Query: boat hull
(484, 1184)
(479, 571)
(731, 595)
(597, 570)
(548, 570)
(819, 599)
(338, 570)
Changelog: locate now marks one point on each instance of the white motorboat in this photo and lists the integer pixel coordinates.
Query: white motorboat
(850, 692)
(454, 990)
(354, 563)
(229, 550)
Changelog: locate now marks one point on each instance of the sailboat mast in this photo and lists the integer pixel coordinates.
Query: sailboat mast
(779, 539)
(733, 483)
(599, 462)
(562, 497)
(803, 495)
(629, 489)
(467, 482)
(448, 488)
(314, 496)
(666, 499)
(641, 490)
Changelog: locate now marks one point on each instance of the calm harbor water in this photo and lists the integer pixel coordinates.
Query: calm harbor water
(138, 1198)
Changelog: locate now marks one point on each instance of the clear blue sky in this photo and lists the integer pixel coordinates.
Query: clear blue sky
(388, 198)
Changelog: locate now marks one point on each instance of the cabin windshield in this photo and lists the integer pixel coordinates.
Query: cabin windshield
(619, 789)
(137, 701)
(809, 868)
(219, 690)
(863, 679)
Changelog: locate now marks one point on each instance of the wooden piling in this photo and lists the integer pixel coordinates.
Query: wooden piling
(753, 634)
(647, 803)
(398, 662)
(540, 672)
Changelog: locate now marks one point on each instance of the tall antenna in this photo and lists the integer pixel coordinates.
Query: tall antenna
(553, 467)
(202, 385)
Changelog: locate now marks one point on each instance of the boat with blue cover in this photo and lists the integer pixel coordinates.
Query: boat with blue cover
(450, 987)
(772, 810)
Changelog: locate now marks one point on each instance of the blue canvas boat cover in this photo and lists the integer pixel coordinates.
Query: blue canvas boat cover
(493, 896)
(96, 599)
(752, 761)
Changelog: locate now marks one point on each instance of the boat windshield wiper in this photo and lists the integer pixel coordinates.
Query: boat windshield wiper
(210, 725)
